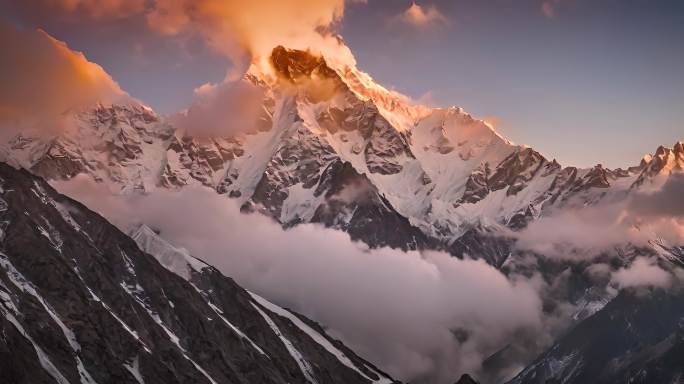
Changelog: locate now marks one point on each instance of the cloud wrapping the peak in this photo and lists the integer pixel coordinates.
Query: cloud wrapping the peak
(254, 28)
(240, 30)
(667, 201)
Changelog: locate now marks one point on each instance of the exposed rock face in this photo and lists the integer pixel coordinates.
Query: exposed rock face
(353, 204)
(81, 303)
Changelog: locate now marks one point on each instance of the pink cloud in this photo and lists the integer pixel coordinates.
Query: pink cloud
(43, 78)
(642, 272)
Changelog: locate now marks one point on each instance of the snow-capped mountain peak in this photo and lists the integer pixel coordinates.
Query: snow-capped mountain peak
(329, 134)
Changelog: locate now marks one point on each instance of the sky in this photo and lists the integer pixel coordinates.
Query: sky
(582, 81)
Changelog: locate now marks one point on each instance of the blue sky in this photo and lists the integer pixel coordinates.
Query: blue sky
(599, 81)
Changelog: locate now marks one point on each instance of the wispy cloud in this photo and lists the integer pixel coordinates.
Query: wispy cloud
(591, 230)
(420, 16)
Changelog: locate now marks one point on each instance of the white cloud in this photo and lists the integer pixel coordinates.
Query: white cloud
(642, 272)
(578, 233)
(584, 232)
(399, 309)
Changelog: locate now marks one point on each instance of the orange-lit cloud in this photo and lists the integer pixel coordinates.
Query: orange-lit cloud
(254, 28)
(240, 30)
(420, 16)
(42, 78)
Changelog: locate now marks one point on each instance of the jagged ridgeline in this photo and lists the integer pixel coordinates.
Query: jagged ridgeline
(357, 157)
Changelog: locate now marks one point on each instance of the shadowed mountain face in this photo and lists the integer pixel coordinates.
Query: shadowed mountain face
(637, 338)
(81, 303)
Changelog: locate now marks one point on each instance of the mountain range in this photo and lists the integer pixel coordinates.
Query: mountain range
(350, 159)
(330, 147)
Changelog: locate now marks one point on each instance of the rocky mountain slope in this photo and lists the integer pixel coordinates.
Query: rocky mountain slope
(80, 302)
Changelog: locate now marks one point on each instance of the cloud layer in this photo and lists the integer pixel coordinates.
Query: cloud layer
(420, 316)
(585, 232)
(255, 26)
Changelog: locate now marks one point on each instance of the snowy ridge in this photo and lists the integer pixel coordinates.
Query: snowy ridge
(25, 286)
(140, 296)
(176, 260)
(42, 356)
(180, 262)
(235, 329)
(150, 242)
(317, 337)
(134, 369)
(8, 310)
(304, 365)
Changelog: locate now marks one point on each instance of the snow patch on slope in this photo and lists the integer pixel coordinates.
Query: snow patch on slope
(303, 364)
(175, 259)
(317, 337)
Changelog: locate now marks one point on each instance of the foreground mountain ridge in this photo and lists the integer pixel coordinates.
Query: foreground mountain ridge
(81, 303)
